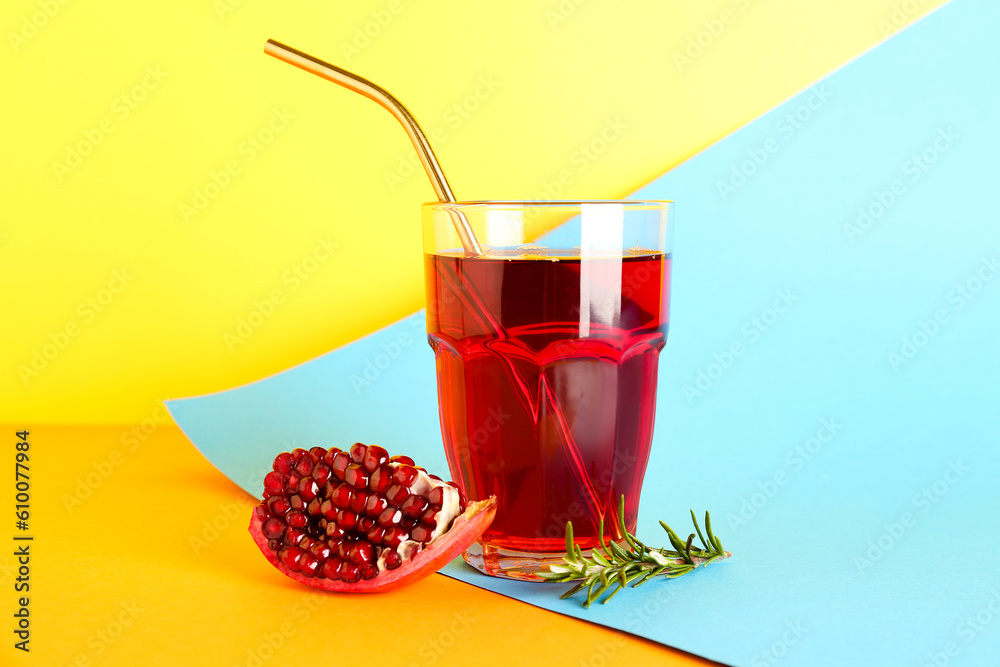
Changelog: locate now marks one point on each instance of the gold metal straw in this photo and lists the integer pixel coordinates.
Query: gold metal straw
(373, 92)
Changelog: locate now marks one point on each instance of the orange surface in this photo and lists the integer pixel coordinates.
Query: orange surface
(141, 557)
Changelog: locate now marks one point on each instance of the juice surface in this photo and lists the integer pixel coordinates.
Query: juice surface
(547, 385)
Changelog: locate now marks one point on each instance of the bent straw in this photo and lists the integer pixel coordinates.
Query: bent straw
(373, 92)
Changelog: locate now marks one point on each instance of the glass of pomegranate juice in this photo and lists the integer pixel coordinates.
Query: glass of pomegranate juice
(546, 360)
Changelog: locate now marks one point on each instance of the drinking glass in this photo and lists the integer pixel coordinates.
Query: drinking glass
(546, 349)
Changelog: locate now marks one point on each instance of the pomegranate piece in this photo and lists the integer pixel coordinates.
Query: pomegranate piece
(360, 520)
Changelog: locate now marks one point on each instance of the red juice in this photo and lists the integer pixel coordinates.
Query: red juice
(546, 371)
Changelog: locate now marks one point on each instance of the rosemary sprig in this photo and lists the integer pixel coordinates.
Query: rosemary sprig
(613, 566)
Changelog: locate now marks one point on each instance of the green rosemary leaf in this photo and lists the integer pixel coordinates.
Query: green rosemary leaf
(604, 587)
(573, 591)
(676, 542)
(590, 595)
(570, 553)
(701, 537)
(708, 527)
(632, 542)
(618, 552)
(710, 559)
(646, 577)
(613, 593)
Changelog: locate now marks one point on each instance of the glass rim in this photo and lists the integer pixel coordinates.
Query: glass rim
(547, 203)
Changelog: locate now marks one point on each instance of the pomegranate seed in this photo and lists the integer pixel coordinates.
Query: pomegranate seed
(342, 495)
(381, 479)
(358, 500)
(274, 483)
(328, 457)
(358, 451)
(436, 497)
(308, 488)
(296, 502)
(347, 519)
(390, 517)
(392, 559)
(401, 459)
(292, 483)
(308, 564)
(306, 543)
(374, 457)
(313, 506)
(321, 550)
(260, 511)
(317, 453)
(283, 463)
(294, 535)
(278, 505)
(408, 524)
(365, 524)
(397, 494)
(356, 476)
(304, 467)
(404, 475)
(376, 534)
(414, 506)
(331, 568)
(369, 572)
(321, 473)
(344, 549)
(334, 529)
(349, 572)
(375, 505)
(421, 533)
(274, 545)
(329, 510)
(273, 529)
(340, 462)
(394, 536)
(298, 453)
(290, 557)
(297, 519)
(362, 553)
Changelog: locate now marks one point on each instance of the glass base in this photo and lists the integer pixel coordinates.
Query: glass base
(509, 564)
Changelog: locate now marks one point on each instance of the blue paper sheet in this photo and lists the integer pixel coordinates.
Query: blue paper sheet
(829, 390)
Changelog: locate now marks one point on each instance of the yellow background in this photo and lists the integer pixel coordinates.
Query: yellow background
(560, 71)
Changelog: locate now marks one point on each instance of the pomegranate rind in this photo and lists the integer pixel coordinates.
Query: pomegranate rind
(465, 529)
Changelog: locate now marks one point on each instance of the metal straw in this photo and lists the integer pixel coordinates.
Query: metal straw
(373, 92)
